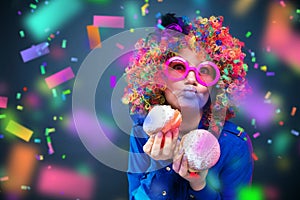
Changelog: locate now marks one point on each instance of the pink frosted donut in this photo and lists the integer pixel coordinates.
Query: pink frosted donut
(201, 148)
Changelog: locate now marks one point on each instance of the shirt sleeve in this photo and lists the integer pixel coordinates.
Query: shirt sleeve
(137, 165)
(235, 173)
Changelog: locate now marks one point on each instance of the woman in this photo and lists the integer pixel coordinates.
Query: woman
(196, 67)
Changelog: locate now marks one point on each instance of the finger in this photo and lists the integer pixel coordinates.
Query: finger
(155, 151)
(148, 146)
(175, 140)
(183, 171)
(177, 161)
(168, 144)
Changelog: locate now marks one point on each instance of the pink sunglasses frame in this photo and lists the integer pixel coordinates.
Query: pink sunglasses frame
(195, 69)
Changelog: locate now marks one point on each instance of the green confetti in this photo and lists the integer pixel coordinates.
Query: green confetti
(248, 34)
(298, 11)
(22, 34)
(54, 93)
(33, 6)
(64, 44)
(63, 156)
(2, 116)
(19, 95)
(42, 68)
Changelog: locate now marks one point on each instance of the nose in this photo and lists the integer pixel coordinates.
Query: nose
(191, 78)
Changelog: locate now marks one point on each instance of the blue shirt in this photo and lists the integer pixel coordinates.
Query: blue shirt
(151, 179)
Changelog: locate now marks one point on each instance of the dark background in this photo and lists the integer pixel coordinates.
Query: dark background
(276, 174)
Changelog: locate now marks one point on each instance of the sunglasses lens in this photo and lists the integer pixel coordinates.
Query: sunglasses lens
(176, 69)
(207, 73)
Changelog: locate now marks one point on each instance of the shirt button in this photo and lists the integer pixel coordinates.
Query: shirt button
(192, 196)
(168, 168)
(164, 193)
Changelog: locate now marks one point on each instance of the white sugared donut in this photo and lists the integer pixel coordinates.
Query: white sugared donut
(201, 148)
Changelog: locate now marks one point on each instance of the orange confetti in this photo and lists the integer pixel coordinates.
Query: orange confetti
(254, 156)
(293, 112)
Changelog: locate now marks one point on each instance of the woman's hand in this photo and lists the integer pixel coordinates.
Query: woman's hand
(162, 147)
(180, 166)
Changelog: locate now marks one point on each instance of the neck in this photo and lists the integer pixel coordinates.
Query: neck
(190, 120)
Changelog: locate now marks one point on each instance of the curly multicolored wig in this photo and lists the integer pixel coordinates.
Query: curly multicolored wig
(144, 73)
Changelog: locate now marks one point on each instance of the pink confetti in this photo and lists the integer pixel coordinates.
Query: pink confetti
(282, 3)
(120, 46)
(256, 135)
(3, 102)
(109, 21)
(59, 77)
(113, 80)
(63, 182)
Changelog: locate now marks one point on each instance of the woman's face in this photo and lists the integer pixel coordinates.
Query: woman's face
(188, 92)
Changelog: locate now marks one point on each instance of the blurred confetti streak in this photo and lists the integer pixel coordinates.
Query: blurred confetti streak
(284, 42)
(20, 167)
(56, 181)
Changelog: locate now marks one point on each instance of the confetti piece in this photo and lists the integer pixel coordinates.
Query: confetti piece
(49, 130)
(240, 129)
(143, 9)
(253, 59)
(254, 156)
(63, 97)
(20, 168)
(94, 36)
(281, 123)
(42, 68)
(73, 59)
(108, 21)
(2, 116)
(63, 156)
(3, 102)
(113, 80)
(253, 122)
(255, 65)
(1, 136)
(39, 157)
(18, 96)
(263, 68)
(120, 46)
(282, 3)
(59, 77)
(64, 44)
(51, 17)
(298, 11)
(50, 147)
(294, 132)
(277, 111)
(57, 179)
(25, 187)
(19, 107)
(35, 52)
(270, 73)
(269, 141)
(5, 178)
(267, 96)
(65, 92)
(37, 140)
(293, 112)
(19, 130)
(268, 49)
(248, 34)
(256, 135)
(22, 34)
(54, 93)
(25, 89)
